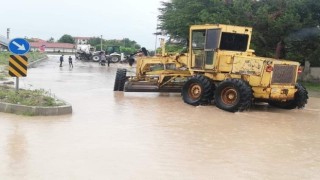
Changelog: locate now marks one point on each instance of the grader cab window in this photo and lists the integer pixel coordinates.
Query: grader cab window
(206, 39)
(234, 42)
(213, 37)
(198, 39)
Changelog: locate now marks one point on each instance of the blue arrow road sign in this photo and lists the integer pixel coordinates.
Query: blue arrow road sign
(19, 46)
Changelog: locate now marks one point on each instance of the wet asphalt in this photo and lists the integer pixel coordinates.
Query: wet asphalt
(116, 135)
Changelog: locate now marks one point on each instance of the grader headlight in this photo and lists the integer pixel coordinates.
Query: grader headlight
(300, 70)
(269, 68)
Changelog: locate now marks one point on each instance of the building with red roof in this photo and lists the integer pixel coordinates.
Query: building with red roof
(44, 46)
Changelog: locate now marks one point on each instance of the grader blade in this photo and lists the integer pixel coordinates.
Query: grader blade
(151, 87)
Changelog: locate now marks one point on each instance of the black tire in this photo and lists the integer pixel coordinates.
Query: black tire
(197, 91)
(96, 58)
(300, 99)
(120, 80)
(233, 95)
(115, 58)
(131, 61)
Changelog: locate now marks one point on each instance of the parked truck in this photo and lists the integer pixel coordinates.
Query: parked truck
(85, 52)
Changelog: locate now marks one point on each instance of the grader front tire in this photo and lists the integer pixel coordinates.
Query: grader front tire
(197, 91)
(120, 80)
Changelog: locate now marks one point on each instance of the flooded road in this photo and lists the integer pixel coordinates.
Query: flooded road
(116, 135)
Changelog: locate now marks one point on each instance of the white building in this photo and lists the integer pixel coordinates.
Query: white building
(81, 40)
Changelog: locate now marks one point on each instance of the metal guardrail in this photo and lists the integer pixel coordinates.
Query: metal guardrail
(4, 41)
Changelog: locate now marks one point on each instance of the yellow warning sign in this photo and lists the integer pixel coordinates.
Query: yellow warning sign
(18, 66)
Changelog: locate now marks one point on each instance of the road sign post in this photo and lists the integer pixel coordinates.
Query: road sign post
(17, 62)
(18, 66)
(17, 84)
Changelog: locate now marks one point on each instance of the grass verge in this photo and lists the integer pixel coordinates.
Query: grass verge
(312, 86)
(32, 56)
(4, 62)
(28, 97)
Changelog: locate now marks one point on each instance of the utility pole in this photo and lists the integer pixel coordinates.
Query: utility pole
(101, 43)
(155, 44)
(8, 33)
(17, 78)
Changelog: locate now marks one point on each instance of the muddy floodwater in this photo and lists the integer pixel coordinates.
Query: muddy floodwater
(116, 135)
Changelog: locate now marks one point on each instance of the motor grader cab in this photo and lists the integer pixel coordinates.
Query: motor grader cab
(219, 66)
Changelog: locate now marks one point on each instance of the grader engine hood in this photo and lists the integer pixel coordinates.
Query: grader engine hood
(269, 78)
(281, 72)
(247, 66)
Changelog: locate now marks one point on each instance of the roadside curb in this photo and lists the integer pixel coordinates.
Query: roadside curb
(32, 64)
(35, 110)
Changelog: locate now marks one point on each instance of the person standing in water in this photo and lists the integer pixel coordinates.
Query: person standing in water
(70, 62)
(61, 60)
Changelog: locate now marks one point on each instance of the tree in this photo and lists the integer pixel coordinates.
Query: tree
(66, 39)
(95, 41)
(272, 21)
(127, 46)
(50, 40)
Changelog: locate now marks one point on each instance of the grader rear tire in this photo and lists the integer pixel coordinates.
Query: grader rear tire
(299, 101)
(197, 91)
(120, 80)
(233, 95)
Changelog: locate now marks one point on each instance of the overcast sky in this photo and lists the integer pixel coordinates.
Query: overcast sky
(114, 19)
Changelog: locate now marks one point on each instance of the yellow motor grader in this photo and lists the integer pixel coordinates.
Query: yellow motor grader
(219, 66)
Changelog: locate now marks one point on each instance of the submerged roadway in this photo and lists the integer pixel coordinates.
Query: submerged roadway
(116, 135)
